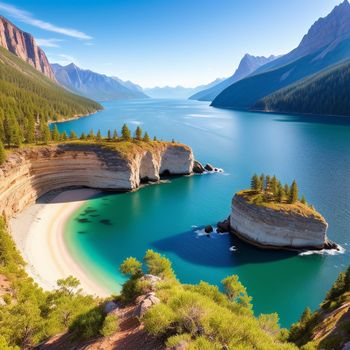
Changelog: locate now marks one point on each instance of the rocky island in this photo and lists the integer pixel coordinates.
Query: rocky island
(269, 215)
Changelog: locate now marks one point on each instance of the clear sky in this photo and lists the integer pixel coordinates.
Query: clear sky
(164, 42)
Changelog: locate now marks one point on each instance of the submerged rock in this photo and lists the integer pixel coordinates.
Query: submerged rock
(208, 229)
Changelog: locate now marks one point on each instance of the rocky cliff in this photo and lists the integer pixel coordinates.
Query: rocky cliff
(23, 45)
(29, 173)
(298, 228)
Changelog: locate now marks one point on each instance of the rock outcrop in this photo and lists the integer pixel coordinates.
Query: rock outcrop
(30, 172)
(280, 229)
(23, 45)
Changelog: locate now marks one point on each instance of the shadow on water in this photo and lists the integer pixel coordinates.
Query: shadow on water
(314, 119)
(214, 250)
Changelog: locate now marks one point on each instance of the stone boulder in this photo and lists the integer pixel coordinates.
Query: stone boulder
(208, 167)
(198, 168)
(109, 307)
(223, 226)
(144, 303)
(208, 229)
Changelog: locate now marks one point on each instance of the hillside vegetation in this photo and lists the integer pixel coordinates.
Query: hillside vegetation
(323, 93)
(27, 97)
(328, 327)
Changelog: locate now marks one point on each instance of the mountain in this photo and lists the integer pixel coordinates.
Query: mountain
(326, 31)
(23, 45)
(326, 93)
(177, 92)
(248, 65)
(95, 85)
(266, 80)
(28, 96)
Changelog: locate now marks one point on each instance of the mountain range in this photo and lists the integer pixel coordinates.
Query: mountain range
(94, 85)
(178, 92)
(327, 43)
(248, 65)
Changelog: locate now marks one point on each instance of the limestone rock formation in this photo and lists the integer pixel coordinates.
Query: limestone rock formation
(144, 303)
(272, 228)
(23, 45)
(30, 172)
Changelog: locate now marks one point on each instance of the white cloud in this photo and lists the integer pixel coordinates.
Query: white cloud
(28, 18)
(48, 42)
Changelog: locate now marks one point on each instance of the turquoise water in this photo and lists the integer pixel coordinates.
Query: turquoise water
(313, 150)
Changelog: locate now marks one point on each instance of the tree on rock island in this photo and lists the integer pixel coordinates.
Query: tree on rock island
(126, 134)
(293, 195)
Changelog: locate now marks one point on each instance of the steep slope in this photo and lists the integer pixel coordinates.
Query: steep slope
(326, 31)
(323, 93)
(26, 94)
(246, 92)
(326, 44)
(329, 326)
(23, 45)
(94, 85)
(247, 66)
(178, 92)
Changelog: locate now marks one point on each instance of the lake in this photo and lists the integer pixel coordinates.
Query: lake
(313, 150)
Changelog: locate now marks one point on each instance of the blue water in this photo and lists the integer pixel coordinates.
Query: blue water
(313, 150)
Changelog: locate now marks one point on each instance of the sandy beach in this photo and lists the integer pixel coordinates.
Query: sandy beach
(38, 233)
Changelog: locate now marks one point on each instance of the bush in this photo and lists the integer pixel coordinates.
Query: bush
(158, 320)
(110, 325)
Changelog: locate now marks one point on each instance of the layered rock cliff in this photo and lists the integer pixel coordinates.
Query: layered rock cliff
(23, 45)
(275, 228)
(29, 173)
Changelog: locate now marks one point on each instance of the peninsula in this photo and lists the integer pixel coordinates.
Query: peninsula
(270, 215)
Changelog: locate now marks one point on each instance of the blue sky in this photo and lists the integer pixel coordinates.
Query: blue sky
(164, 42)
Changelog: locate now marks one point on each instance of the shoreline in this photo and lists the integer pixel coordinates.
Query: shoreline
(38, 232)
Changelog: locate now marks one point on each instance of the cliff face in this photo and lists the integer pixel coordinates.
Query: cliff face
(23, 45)
(29, 173)
(270, 228)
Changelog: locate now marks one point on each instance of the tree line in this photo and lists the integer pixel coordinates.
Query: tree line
(270, 189)
(13, 137)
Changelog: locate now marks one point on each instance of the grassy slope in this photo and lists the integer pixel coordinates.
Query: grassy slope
(323, 93)
(299, 208)
(27, 92)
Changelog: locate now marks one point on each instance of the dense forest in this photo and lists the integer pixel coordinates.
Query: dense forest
(323, 93)
(28, 98)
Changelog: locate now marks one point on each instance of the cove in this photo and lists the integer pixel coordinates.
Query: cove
(313, 150)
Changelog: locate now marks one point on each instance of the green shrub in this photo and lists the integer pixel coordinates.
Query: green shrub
(110, 325)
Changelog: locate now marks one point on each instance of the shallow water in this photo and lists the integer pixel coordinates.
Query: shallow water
(313, 150)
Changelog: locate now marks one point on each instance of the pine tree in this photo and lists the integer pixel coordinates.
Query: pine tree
(109, 137)
(83, 136)
(46, 135)
(286, 190)
(91, 135)
(73, 135)
(262, 182)
(146, 137)
(98, 136)
(2, 153)
(115, 135)
(138, 134)
(30, 134)
(303, 199)
(255, 183)
(155, 138)
(274, 185)
(55, 134)
(280, 194)
(267, 183)
(293, 195)
(126, 134)
(12, 131)
(64, 136)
